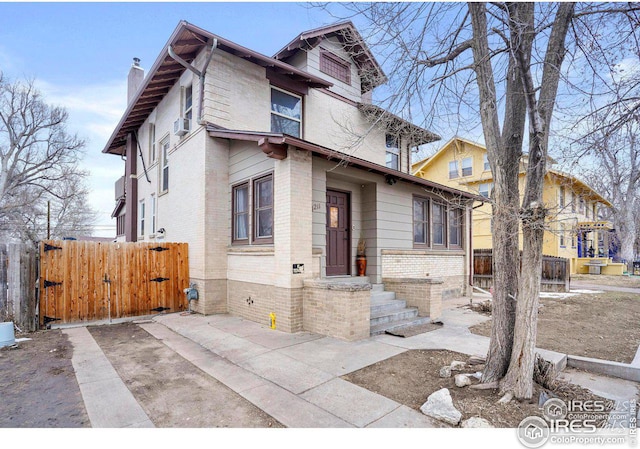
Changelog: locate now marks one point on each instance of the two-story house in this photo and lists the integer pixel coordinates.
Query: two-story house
(574, 230)
(273, 169)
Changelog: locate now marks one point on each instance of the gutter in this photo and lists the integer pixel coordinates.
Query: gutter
(200, 74)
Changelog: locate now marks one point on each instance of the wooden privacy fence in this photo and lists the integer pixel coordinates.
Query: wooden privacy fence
(555, 271)
(89, 281)
(18, 275)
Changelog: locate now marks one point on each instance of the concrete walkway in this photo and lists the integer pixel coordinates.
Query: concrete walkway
(585, 285)
(108, 401)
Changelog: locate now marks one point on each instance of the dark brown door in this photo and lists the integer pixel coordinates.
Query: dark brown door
(338, 235)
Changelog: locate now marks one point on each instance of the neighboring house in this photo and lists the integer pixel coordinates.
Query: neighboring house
(574, 229)
(272, 169)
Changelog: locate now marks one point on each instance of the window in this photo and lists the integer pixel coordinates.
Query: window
(439, 224)
(286, 113)
(188, 103)
(581, 206)
(420, 221)
(153, 214)
(562, 231)
(141, 218)
(152, 142)
(587, 209)
(453, 169)
(595, 211)
(485, 163)
(467, 166)
(561, 197)
(335, 66)
(120, 225)
(573, 201)
(455, 227)
(263, 209)
(241, 212)
(485, 189)
(393, 152)
(164, 147)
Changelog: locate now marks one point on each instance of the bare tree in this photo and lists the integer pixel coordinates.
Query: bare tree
(38, 163)
(504, 63)
(614, 168)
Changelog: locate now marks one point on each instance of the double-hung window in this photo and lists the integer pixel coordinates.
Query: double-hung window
(252, 205)
(453, 170)
(153, 214)
(467, 166)
(439, 213)
(263, 209)
(188, 103)
(164, 175)
(421, 222)
(286, 113)
(485, 163)
(141, 212)
(562, 232)
(561, 197)
(456, 218)
(241, 213)
(152, 143)
(393, 152)
(485, 189)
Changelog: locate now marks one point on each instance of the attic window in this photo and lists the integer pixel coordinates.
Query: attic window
(335, 66)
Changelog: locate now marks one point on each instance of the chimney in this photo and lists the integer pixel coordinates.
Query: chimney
(134, 81)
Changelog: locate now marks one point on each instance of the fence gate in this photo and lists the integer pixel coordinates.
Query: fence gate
(88, 281)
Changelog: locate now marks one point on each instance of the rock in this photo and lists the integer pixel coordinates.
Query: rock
(457, 366)
(445, 371)
(475, 423)
(462, 380)
(440, 406)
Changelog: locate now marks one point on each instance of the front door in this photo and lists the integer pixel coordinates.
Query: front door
(338, 233)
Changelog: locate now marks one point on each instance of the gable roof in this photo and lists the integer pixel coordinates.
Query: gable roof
(418, 166)
(187, 41)
(370, 71)
(397, 125)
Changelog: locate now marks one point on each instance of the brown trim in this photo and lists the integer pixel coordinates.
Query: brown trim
(427, 231)
(283, 82)
(445, 234)
(254, 209)
(324, 53)
(460, 210)
(349, 194)
(235, 241)
(338, 96)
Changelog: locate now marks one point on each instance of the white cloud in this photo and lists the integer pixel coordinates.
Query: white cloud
(94, 111)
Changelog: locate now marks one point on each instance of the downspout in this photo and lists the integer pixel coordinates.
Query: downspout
(201, 75)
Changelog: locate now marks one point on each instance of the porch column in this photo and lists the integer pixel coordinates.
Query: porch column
(292, 235)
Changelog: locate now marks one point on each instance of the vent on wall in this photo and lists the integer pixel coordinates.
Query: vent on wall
(181, 126)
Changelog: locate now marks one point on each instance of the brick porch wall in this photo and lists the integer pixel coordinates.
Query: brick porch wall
(425, 294)
(340, 310)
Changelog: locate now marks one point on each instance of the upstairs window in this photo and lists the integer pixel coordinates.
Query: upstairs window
(562, 231)
(561, 197)
(152, 143)
(393, 152)
(453, 170)
(286, 113)
(335, 66)
(188, 102)
(153, 214)
(485, 163)
(141, 213)
(467, 166)
(573, 201)
(164, 175)
(485, 189)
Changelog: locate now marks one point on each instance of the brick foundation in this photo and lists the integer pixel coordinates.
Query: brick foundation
(212, 296)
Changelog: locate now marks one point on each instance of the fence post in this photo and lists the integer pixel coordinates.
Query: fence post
(4, 299)
(19, 286)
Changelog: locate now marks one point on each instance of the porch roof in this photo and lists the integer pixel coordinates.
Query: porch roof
(594, 225)
(275, 145)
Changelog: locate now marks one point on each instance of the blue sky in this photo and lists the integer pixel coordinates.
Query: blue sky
(80, 54)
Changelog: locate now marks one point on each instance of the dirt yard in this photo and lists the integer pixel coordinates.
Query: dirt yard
(601, 325)
(409, 378)
(615, 281)
(38, 386)
(171, 390)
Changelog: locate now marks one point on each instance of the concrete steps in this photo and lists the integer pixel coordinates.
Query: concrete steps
(389, 313)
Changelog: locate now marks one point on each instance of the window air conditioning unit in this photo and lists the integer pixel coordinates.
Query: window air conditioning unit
(181, 126)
